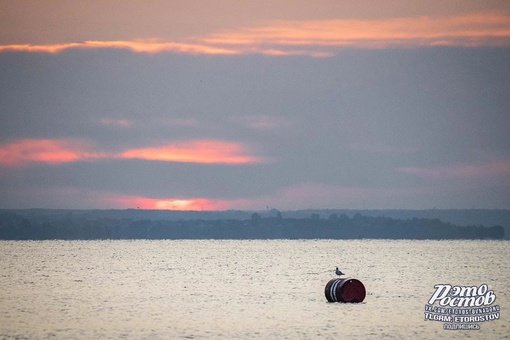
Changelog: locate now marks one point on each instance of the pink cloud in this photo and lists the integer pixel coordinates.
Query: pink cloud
(262, 122)
(50, 151)
(381, 148)
(122, 123)
(309, 195)
(459, 171)
(469, 30)
(197, 151)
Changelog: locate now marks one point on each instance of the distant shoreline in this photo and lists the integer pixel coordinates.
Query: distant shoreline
(43, 224)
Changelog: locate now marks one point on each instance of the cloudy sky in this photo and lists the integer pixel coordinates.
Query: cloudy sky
(246, 105)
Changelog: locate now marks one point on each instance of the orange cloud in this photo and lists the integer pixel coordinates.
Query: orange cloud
(57, 151)
(44, 151)
(141, 46)
(155, 46)
(319, 38)
(199, 151)
(53, 49)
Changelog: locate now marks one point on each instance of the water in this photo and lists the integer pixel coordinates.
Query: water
(239, 289)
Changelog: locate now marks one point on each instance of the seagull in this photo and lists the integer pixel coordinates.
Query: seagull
(338, 272)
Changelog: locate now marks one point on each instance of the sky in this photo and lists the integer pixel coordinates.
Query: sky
(250, 105)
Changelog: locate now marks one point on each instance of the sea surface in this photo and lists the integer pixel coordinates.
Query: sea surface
(249, 289)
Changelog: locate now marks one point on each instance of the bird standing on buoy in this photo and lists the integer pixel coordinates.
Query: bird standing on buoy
(338, 272)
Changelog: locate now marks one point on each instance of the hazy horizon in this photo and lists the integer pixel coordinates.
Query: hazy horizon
(252, 106)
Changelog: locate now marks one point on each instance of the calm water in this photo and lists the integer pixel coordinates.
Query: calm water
(239, 289)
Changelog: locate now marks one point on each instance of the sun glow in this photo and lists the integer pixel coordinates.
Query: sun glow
(180, 204)
(189, 204)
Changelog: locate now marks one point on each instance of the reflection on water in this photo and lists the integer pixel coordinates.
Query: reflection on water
(239, 289)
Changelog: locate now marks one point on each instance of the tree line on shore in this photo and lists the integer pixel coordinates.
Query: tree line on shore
(87, 226)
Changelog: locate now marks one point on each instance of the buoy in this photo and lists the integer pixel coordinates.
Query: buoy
(345, 290)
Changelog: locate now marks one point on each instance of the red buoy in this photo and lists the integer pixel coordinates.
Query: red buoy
(345, 290)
